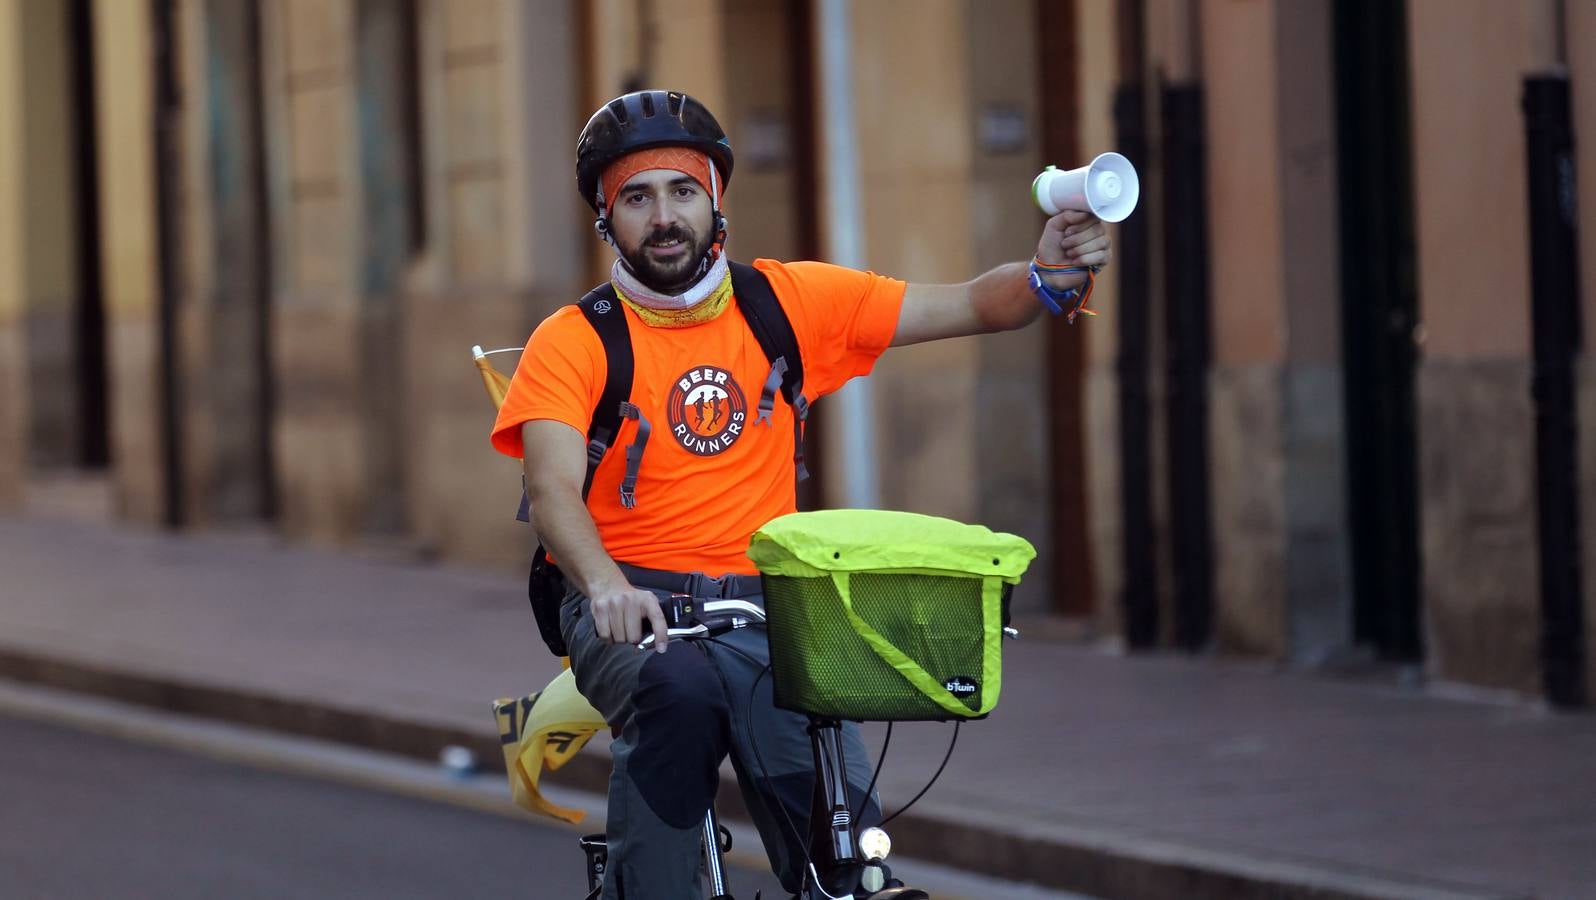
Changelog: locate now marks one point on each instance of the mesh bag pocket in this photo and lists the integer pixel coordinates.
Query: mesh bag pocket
(821, 665)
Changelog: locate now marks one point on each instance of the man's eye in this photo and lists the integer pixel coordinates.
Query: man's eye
(636, 199)
(684, 192)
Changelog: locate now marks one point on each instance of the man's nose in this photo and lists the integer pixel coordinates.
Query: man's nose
(661, 213)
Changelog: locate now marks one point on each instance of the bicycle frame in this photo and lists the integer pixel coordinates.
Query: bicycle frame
(836, 865)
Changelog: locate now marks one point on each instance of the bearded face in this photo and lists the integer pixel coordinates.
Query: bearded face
(667, 259)
(663, 225)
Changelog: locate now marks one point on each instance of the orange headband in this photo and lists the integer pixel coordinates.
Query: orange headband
(692, 163)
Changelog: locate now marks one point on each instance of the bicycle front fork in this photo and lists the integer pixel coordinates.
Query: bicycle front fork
(596, 846)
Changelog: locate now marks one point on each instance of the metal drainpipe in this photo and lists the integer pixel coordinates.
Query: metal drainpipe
(854, 448)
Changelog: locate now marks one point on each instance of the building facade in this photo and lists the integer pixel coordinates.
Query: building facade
(1337, 406)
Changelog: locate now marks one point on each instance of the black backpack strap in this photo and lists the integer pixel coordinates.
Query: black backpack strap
(773, 330)
(605, 313)
(608, 320)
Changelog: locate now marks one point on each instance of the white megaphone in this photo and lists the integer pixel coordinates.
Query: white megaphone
(1108, 187)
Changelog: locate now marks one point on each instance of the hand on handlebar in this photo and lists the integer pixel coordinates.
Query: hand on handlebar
(620, 616)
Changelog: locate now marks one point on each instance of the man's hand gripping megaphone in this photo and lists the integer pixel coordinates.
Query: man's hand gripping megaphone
(1073, 246)
(1074, 243)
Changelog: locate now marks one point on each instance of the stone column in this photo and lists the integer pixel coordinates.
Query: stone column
(1279, 519)
(1476, 420)
(225, 262)
(505, 244)
(124, 88)
(1098, 65)
(1011, 443)
(13, 251)
(319, 436)
(38, 412)
(913, 125)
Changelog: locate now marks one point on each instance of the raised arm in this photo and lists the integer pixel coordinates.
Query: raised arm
(555, 460)
(1000, 300)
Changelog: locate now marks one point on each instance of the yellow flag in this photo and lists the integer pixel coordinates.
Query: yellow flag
(544, 730)
(495, 381)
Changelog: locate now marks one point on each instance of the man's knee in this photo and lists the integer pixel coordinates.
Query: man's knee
(681, 717)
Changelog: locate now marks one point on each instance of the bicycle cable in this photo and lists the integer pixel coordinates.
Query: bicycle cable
(881, 759)
(748, 729)
(945, 758)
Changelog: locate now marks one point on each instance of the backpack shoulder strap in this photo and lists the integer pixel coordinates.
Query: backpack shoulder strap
(773, 330)
(770, 325)
(603, 311)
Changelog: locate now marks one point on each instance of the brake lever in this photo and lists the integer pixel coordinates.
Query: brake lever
(695, 631)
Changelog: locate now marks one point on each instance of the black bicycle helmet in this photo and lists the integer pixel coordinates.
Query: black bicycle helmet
(644, 119)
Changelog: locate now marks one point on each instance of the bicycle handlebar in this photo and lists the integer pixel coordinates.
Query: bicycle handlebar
(691, 618)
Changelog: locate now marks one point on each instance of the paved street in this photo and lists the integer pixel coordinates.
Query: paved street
(1112, 776)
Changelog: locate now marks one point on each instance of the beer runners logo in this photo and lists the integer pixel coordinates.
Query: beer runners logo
(707, 410)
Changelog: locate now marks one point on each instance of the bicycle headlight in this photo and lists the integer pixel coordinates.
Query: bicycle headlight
(874, 844)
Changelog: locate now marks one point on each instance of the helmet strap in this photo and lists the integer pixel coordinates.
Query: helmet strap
(714, 205)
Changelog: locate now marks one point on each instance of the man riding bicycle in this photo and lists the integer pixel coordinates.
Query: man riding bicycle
(723, 360)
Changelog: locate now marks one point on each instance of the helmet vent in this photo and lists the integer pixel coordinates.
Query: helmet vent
(619, 109)
(648, 105)
(673, 103)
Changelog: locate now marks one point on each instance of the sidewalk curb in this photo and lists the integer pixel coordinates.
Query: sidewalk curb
(1092, 861)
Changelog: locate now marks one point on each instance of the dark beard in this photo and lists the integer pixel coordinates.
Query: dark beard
(672, 278)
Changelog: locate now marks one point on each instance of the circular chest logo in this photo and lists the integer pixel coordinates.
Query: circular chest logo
(707, 410)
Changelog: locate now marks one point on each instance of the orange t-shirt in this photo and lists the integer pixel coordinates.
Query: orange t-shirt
(710, 477)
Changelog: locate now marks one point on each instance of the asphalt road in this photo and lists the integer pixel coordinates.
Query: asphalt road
(88, 815)
(105, 800)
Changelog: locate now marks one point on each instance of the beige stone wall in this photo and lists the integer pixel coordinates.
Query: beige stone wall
(51, 265)
(1282, 567)
(128, 240)
(1013, 454)
(913, 168)
(506, 240)
(13, 253)
(912, 115)
(319, 442)
(1475, 419)
(1097, 69)
(38, 405)
(1481, 575)
(222, 277)
(1241, 74)
(761, 207)
(1250, 523)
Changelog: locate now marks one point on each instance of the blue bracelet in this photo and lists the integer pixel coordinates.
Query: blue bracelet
(1053, 300)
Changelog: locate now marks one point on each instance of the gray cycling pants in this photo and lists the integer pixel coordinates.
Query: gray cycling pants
(680, 713)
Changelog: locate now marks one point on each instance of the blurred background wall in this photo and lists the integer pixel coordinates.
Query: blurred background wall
(1336, 410)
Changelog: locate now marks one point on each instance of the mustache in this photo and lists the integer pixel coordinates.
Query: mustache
(673, 233)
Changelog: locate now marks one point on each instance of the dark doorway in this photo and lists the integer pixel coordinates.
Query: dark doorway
(265, 394)
(1379, 315)
(93, 407)
(167, 137)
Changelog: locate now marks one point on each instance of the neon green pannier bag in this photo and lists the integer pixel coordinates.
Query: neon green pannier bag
(886, 616)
